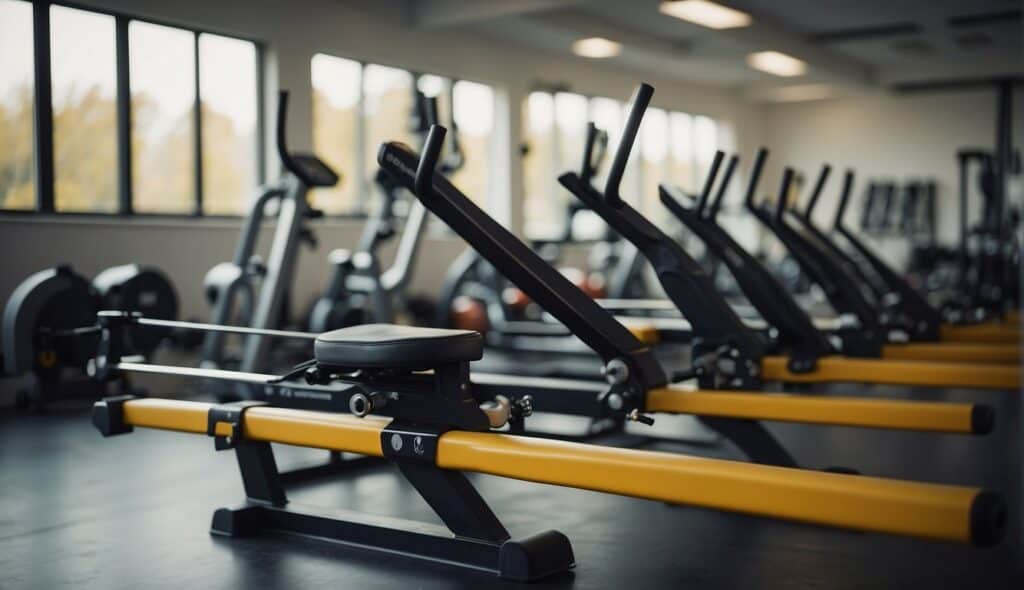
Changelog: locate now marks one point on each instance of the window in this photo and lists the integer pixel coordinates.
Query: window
(229, 119)
(671, 147)
(336, 89)
(17, 90)
(473, 113)
(654, 161)
(705, 142)
(387, 103)
(357, 107)
(681, 130)
(162, 74)
(84, 79)
(125, 99)
(544, 214)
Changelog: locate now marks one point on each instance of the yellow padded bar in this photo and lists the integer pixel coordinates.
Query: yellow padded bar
(896, 372)
(945, 512)
(1006, 333)
(954, 352)
(834, 411)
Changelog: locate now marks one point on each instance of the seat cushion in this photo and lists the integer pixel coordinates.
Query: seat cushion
(388, 346)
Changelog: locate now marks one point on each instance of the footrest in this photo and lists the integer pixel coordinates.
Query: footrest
(390, 346)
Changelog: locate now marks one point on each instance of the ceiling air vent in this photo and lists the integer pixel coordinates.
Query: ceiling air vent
(912, 47)
(973, 41)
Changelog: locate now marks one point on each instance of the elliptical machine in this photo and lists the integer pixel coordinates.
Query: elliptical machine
(359, 291)
(246, 291)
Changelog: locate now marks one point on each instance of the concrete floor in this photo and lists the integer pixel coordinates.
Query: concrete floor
(133, 511)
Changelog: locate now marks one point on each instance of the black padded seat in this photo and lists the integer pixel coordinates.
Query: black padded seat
(390, 346)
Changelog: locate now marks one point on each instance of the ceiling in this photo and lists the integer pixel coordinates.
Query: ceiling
(849, 45)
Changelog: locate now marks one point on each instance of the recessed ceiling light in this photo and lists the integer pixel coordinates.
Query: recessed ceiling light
(596, 47)
(802, 92)
(706, 14)
(777, 63)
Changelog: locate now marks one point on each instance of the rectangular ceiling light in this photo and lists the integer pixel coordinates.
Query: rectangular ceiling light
(596, 47)
(777, 63)
(706, 14)
(801, 93)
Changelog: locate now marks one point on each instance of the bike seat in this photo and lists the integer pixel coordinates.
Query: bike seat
(390, 346)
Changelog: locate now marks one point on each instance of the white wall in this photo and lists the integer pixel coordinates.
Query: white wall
(884, 135)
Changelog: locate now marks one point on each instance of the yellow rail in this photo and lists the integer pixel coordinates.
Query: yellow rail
(1005, 333)
(954, 352)
(835, 411)
(945, 512)
(896, 372)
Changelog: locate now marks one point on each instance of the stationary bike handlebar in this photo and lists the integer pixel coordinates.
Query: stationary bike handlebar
(282, 144)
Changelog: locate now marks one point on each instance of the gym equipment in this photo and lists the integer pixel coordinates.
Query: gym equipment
(632, 373)
(904, 310)
(795, 331)
(421, 378)
(359, 291)
(474, 295)
(43, 320)
(719, 332)
(440, 429)
(247, 290)
(434, 458)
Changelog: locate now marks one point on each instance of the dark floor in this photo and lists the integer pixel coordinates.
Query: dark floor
(133, 511)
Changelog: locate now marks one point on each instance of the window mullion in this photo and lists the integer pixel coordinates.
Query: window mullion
(124, 117)
(197, 130)
(362, 183)
(261, 119)
(43, 111)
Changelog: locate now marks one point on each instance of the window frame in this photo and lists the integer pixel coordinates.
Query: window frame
(42, 116)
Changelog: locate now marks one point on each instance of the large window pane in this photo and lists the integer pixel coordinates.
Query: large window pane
(654, 155)
(162, 74)
(227, 89)
(336, 84)
(17, 188)
(387, 104)
(544, 214)
(84, 110)
(607, 116)
(473, 109)
(705, 142)
(571, 116)
(681, 125)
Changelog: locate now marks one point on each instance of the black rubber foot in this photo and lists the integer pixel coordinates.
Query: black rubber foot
(535, 557)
